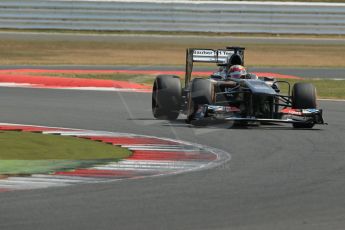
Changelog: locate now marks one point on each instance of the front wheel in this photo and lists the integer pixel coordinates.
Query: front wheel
(201, 94)
(166, 97)
(303, 97)
(201, 91)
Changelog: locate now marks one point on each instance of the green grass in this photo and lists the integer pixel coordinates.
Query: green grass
(25, 167)
(327, 89)
(147, 50)
(25, 153)
(36, 146)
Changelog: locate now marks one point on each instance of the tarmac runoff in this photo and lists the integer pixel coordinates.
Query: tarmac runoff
(270, 186)
(151, 157)
(303, 72)
(34, 78)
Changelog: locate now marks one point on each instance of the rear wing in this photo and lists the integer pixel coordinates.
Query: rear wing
(222, 57)
(211, 56)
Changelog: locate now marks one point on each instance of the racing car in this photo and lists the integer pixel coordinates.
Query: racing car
(245, 101)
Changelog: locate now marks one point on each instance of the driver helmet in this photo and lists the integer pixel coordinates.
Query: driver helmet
(237, 71)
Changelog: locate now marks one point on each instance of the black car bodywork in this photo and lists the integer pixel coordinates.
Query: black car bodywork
(245, 101)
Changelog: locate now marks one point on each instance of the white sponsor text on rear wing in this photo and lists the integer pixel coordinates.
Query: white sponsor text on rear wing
(212, 56)
(222, 57)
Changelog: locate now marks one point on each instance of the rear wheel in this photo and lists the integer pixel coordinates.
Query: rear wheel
(166, 97)
(303, 97)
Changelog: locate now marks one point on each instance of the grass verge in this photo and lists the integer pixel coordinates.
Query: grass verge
(147, 50)
(26, 153)
(326, 89)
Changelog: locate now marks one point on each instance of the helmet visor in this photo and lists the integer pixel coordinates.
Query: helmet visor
(238, 74)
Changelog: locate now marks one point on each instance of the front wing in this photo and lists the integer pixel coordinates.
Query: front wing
(288, 115)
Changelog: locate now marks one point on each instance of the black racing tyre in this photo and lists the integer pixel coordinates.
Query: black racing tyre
(201, 91)
(303, 97)
(201, 94)
(166, 97)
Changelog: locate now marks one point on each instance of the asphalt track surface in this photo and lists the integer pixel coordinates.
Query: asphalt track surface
(55, 36)
(322, 73)
(278, 177)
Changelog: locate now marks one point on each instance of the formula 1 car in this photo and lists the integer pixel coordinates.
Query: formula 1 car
(244, 101)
